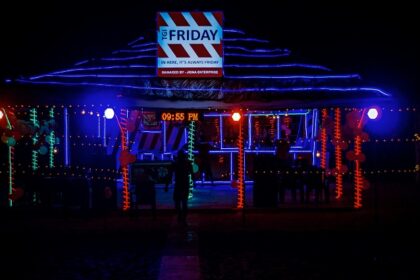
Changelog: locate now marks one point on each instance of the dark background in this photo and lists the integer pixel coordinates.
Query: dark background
(374, 38)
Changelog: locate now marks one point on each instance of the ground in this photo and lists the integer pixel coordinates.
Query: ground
(379, 241)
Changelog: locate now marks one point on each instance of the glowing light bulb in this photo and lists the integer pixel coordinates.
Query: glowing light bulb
(236, 116)
(109, 113)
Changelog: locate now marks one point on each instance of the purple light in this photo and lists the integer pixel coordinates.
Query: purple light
(81, 62)
(143, 45)
(93, 69)
(373, 113)
(136, 40)
(231, 30)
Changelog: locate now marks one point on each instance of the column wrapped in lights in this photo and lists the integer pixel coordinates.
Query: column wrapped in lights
(124, 147)
(241, 175)
(52, 140)
(191, 140)
(34, 120)
(338, 154)
(358, 177)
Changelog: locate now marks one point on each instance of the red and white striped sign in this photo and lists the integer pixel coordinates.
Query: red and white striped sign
(190, 44)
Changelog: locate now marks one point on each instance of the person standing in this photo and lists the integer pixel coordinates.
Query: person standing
(182, 168)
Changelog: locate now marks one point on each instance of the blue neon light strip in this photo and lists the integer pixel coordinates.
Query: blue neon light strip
(273, 89)
(93, 69)
(81, 62)
(290, 65)
(221, 131)
(256, 50)
(141, 38)
(272, 113)
(152, 131)
(249, 131)
(350, 76)
(144, 45)
(127, 58)
(66, 138)
(232, 30)
(256, 55)
(314, 137)
(99, 76)
(231, 167)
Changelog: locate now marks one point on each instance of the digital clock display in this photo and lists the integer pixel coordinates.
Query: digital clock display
(180, 116)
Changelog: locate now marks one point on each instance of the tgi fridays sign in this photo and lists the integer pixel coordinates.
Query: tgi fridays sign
(190, 44)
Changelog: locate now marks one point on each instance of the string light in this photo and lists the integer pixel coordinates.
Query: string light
(338, 155)
(358, 178)
(191, 140)
(241, 175)
(124, 147)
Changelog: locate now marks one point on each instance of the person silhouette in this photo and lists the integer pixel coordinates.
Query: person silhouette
(182, 168)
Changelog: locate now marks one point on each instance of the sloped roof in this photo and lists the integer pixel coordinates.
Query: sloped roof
(256, 74)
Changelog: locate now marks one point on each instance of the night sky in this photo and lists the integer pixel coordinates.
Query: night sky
(377, 40)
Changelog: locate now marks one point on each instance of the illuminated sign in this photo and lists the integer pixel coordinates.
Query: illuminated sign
(180, 116)
(190, 44)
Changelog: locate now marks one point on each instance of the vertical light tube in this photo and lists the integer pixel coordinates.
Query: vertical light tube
(164, 136)
(314, 124)
(278, 127)
(221, 131)
(99, 125)
(104, 135)
(249, 131)
(66, 138)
